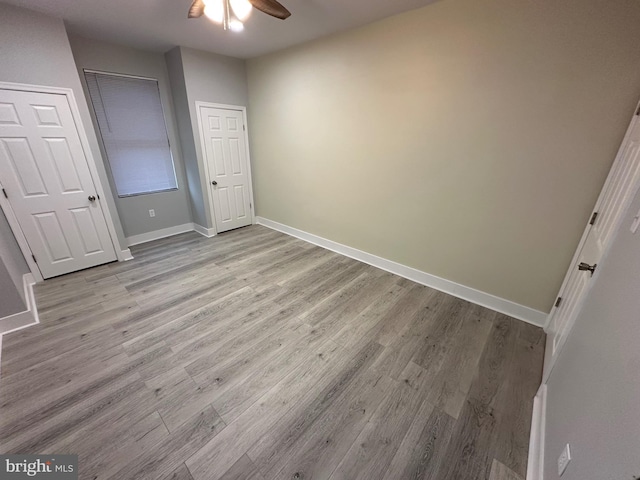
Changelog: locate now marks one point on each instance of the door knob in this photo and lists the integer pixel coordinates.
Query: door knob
(92, 198)
(214, 183)
(587, 268)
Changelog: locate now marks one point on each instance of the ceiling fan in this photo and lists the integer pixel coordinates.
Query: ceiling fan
(231, 13)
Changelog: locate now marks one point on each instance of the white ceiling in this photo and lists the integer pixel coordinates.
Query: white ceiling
(159, 25)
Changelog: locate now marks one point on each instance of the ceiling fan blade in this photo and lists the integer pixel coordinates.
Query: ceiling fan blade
(197, 9)
(271, 7)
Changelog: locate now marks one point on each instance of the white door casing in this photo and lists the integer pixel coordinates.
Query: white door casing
(45, 172)
(620, 187)
(225, 152)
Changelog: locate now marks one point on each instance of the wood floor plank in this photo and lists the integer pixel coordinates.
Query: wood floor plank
(452, 383)
(491, 424)
(422, 453)
(243, 469)
(102, 459)
(330, 284)
(56, 337)
(333, 306)
(500, 472)
(269, 449)
(213, 460)
(180, 323)
(134, 427)
(175, 397)
(324, 444)
(515, 404)
(35, 431)
(368, 323)
(255, 355)
(403, 342)
(169, 454)
(240, 395)
(470, 451)
(147, 317)
(416, 298)
(243, 351)
(232, 377)
(495, 363)
(447, 320)
(291, 266)
(377, 444)
(180, 473)
(242, 333)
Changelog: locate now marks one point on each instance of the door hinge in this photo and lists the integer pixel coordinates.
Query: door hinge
(593, 218)
(34, 258)
(244, 128)
(638, 111)
(558, 302)
(5, 193)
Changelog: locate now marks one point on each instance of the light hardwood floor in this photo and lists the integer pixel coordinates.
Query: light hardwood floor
(254, 355)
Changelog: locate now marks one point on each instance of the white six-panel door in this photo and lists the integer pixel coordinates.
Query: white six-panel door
(44, 172)
(619, 189)
(228, 165)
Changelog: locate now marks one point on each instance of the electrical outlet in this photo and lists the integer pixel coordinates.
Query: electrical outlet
(152, 213)
(563, 460)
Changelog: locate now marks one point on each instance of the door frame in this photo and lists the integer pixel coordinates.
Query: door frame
(205, 165)
(549, 361)
(121, 254)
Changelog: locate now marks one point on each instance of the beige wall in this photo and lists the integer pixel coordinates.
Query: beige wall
(466, 139)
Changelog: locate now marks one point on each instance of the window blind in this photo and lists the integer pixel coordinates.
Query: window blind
(131, 123)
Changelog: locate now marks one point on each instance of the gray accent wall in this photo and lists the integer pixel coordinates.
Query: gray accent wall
(14, 267)
(179, 91)
(35, 50)
(214, 78)
(171, 208)
(206, 77)
(593, 393)
(11, 301)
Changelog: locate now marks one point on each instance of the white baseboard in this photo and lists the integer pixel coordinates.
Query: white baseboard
(164, 233)
(498, 304)
(24, 319)
(207, 232)
(158, 234)
(535, 464)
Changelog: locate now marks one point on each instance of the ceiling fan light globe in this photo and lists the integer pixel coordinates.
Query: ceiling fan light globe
(214, 10)
(236, 26)
(241, 9)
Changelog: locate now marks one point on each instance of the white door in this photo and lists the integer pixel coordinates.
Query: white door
(45, 176)
(226, 158)
(618, 191)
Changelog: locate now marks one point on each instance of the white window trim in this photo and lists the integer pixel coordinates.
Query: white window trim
(100, 139)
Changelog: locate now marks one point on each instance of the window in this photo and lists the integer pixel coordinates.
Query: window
(133, 131)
